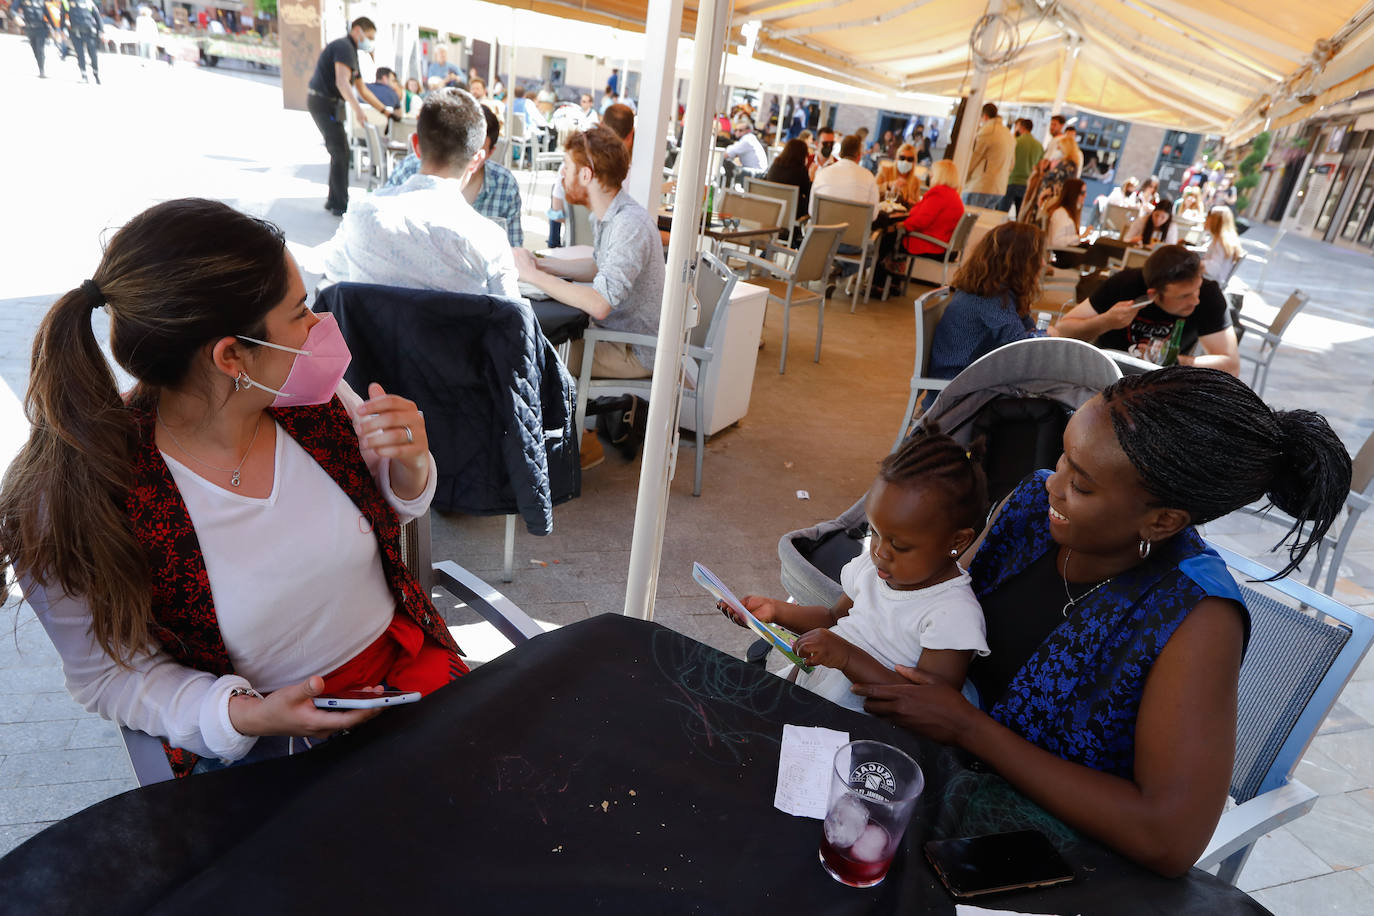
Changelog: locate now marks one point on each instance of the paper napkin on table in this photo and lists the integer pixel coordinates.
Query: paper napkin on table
(804, 767)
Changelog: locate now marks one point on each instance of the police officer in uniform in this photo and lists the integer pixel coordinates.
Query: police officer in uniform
(35, 27)
(332, 86)
(81, 18)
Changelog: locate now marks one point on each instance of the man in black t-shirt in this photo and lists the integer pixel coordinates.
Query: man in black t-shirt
(1135, 311)
(331, 87)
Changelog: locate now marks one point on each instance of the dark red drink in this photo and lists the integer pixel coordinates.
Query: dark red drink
(856, 870)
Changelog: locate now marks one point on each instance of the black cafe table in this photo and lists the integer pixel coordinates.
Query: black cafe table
(612, 766)
(560, 323)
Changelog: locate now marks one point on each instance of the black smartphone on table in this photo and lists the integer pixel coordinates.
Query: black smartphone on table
(990, 864)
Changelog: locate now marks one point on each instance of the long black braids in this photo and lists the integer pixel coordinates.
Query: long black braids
(930, 458)
(1203, 442)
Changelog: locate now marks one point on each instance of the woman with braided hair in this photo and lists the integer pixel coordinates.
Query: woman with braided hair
(1116, 635)
(906, 600)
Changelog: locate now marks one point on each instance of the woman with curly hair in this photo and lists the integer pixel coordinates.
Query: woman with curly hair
(993, 294)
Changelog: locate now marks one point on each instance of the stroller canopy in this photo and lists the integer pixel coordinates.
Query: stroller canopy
(1058, 368)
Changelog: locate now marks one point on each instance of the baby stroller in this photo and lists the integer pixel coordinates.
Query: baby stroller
(1018, 397)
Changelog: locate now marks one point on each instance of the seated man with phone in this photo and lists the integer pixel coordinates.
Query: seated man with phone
(1135, 311)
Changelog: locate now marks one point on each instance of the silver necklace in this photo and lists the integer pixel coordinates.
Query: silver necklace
(1068, 552)
(235, 471)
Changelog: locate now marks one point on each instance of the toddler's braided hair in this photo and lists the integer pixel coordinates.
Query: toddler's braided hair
(930, 458)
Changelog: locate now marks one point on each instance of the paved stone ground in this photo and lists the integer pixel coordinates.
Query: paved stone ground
(151, 134)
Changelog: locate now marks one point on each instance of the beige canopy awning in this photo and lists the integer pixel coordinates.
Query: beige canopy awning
(1214, 66)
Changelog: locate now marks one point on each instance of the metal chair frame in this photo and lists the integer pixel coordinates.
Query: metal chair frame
(789, 193)
(930, 309)
(714, 285)
(1279, 798)
(859, 218)
(808, 263)
(1270, 336)
(954, 250)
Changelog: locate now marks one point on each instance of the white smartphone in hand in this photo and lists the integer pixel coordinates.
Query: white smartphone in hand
(364, 699)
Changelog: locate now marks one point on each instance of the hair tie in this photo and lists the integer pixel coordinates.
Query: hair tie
(93, 294)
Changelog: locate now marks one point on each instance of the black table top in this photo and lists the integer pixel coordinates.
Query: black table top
(559, 322)
(613, 765)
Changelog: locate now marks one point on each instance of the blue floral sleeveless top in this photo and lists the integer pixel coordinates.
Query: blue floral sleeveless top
(1078, 694)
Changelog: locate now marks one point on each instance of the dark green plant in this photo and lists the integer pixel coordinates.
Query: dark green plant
(1249, 169)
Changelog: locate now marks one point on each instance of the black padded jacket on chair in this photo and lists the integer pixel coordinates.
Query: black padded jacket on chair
(498, 404)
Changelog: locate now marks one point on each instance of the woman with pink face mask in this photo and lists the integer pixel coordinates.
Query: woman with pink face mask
(220, 545)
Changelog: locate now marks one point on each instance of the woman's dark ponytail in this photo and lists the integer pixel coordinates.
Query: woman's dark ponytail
(178, 276)
(1311, 480)
(62, 517)
(1203, 442)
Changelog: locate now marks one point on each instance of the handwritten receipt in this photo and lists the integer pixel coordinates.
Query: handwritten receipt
(804, 767)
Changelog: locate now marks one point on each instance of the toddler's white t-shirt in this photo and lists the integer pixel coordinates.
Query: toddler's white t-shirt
(894, 625)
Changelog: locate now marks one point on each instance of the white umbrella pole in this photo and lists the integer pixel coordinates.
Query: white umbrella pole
(1066, 77)
(651, 506)
(963, 144)
(508, 102)
(656, 101)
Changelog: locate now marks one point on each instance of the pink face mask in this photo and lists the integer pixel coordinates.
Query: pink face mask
(312, 380)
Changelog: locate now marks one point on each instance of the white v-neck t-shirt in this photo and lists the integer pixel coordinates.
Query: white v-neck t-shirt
(311, 593)
(298, 587)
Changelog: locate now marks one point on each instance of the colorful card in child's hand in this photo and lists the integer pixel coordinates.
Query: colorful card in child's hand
(780, 638)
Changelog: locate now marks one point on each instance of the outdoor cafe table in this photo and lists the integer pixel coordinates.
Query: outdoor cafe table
(560, 323)
(720, 228)
(613, 766)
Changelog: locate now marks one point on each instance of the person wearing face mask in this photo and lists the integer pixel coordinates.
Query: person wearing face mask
(622, 288)
(826, 151)
(902, 181)
(332, 86)
(221, 544)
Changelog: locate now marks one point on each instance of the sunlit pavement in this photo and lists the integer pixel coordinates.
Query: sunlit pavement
(81, 159)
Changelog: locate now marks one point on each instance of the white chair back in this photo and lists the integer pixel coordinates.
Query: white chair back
(857, 216)
(752, 210)
(578, 224)
(715, 283)
(789, 193)
(817, 251)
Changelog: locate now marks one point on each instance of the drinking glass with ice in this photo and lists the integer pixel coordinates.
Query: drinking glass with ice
(873, 790)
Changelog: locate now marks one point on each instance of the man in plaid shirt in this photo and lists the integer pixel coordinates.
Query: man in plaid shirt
(492, 190)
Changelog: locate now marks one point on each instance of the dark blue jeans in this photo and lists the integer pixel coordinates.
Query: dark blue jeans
(37, 39)
(87, 46)
(267, 748)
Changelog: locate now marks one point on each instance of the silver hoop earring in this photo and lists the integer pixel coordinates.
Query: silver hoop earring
(1144, 548)
(242, 382)
(953, 553)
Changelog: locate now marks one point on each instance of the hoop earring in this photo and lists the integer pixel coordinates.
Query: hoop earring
(1144, 548)
(953, 552)
(242, 382)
